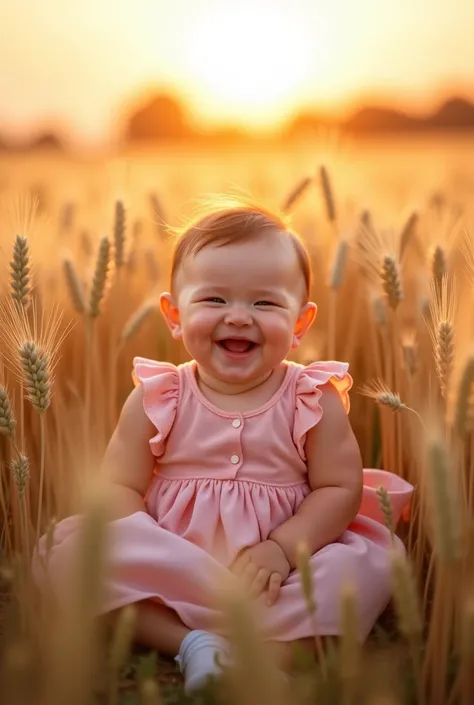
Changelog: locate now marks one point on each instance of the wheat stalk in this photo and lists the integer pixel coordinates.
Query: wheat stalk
(410, 351)
(408, 610)
(467, 250)
(461, 407)
(296, 193)
(339, 264)
(408, 231)
(252, 677)
(350, 656)
(74, 286)
(467, 652)
(307, 588)
(379, 311)
(336, 276)
(328, 194)
(150, 692)
(158, 213)
(152, 265)
(73, 638)
(66, 217)
(137, 319)
(444, 512)
(86, 244)
(406, 597)
(120, 648)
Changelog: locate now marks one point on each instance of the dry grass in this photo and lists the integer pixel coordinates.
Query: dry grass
(394, 295)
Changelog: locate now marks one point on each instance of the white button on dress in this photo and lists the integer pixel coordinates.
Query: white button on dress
(234, 459)
(236, 423)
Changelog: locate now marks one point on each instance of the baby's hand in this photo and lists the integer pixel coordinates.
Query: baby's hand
(261, 566)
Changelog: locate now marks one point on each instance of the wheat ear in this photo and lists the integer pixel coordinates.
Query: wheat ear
(328, 194)
(7, 419)
(136, 320)
(408, 231)
(296, 193)
(439, 264)
(74, 286)
(20, 272)
(442, 304)
(391, 281)
(384, 396)
(119, 234)
(99, 280)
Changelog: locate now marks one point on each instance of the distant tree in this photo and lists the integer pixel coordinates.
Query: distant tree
(379, 119)
(47, 141)
(455, 113)
(162, 117)
(308, 124)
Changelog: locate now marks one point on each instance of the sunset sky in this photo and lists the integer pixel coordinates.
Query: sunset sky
(250, 62)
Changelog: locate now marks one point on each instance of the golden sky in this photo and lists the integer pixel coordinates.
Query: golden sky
(253, 62)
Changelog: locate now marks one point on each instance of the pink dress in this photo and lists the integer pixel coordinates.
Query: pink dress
(223, 481)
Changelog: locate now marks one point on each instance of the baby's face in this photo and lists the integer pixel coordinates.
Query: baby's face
(240, 308)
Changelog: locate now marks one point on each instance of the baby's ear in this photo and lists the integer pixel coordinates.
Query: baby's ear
(304, 322)
(171, 314)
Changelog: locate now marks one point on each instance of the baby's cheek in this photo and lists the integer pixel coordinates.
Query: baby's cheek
(200, 321)
(279, 327)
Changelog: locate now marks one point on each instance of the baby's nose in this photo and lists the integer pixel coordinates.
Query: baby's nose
(238, 316)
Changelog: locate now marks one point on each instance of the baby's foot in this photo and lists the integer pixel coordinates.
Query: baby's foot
(197, 658)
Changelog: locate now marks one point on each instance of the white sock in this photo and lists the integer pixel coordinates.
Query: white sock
(197, 657)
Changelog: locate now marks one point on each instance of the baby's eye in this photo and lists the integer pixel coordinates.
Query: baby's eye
(214, 300)
(266, 303)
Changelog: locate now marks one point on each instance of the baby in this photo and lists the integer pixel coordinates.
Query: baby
(227, 463)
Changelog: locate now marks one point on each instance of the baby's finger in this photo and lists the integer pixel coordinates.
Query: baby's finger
(259, 582)
(240, 563)
(249, 573)
(274, 585)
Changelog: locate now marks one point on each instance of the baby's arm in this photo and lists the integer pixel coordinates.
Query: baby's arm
(128, 462)
(335, 477)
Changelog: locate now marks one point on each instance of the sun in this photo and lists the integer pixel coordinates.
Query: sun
(248, 64)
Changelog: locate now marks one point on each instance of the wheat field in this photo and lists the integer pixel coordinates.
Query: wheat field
(84, 252)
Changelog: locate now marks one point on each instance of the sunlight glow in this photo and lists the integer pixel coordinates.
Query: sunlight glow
(248, 64)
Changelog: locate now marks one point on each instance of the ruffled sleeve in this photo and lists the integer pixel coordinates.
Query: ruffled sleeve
(308, 393)
(160, 382)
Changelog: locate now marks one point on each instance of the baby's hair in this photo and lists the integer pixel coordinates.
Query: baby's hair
(224, 222)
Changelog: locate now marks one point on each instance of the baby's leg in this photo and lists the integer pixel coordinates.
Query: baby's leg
(160, 628)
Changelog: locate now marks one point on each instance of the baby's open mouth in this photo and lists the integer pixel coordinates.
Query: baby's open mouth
(237, 345)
